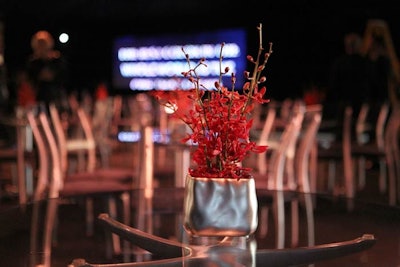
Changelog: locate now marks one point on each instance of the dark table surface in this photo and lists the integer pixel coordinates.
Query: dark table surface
(334, 222)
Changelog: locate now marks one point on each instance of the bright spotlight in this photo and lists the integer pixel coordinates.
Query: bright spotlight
(63, 38)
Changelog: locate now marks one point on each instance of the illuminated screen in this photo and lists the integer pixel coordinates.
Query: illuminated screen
(142, 63)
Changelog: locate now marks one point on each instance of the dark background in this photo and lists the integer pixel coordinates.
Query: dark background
(307, 35)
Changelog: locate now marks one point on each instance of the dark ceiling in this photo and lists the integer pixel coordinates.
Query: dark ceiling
(306, 34)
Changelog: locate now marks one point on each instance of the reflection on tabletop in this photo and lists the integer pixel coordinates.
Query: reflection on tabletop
(159, 217)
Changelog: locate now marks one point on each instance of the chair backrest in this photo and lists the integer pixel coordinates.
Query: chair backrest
(392, 150)
(90, 143)
(278, 158)
(285, 109)
(56, 177)
(43, 166)
(86, 143)
(267, 127)
(298, 109)
(346, 151)
(61, 136)
(117, 114)
(47, 149)
(101, 124)
(361, 123)
(263, 139)
(102, 116)
(380, 125)
(307, 141)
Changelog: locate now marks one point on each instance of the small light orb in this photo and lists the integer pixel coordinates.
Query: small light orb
(63, 38)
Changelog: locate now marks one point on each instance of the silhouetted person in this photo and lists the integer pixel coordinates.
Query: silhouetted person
(379, 48)
(47, 70)
(351, 78)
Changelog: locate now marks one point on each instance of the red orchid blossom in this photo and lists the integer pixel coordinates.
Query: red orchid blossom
(220, 119)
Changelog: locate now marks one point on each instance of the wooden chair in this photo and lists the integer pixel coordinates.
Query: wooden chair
(392, 149)
(87, 144)
(264, 137)
(80, 146)
(53, 184)
(306, 174)
(17, 160)
(127, 176)
(372, 149)
(276, 180)
(19, 155)
(305, 143)
(339, 153)
(103, 114)
(306, 152)
(271, 136)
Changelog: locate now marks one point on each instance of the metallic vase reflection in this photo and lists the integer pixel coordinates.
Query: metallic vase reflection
(220, 206)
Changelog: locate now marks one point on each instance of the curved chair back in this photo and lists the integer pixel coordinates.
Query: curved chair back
(263, 139)
(392, 151)
(276, 167)
(307, 142)
(57, 177)
(43, 168)
(346, 150)
(361, 123)
(68, 145)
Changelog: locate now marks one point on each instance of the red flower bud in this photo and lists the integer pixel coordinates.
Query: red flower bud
(233, 78)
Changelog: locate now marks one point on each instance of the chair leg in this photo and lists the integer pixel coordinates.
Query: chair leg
(279, 212)
(361, 173)
(382, 176)
(392, 177)
(331, 175)
(81, 162)
(89, 216)
(313, 168)
(263, 228)
(310, 219)
(49, 230)
(295, 222)
(34, 233)
(112, 207)
(291, 181)
(397, 169)
(125, 198)
(349, 181)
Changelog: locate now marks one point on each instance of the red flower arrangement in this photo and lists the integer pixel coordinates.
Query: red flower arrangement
(220, 119)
